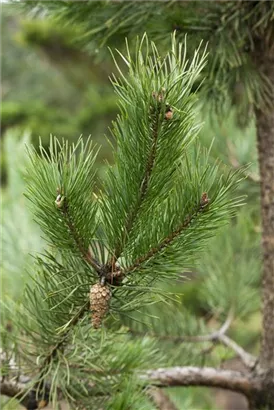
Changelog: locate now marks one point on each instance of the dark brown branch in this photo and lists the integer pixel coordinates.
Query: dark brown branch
(205, 376)
(14, 389)
(160, 399)
(10, 388)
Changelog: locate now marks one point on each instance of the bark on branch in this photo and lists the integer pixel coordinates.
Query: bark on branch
(244, 383)
(20, 390)
(248, 360)
(13, 389)
(206, 376)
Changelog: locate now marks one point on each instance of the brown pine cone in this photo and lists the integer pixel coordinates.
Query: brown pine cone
(99, 302)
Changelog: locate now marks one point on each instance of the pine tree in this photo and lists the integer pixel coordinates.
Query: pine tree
(239, 74)
(240, 36)
(110, 249)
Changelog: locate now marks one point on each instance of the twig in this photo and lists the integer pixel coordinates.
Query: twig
(160, 399)
(248, 359)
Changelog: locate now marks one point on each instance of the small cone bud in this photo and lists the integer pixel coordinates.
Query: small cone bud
(204, 200)
(60, 199)
(169, 113)
(99, 302)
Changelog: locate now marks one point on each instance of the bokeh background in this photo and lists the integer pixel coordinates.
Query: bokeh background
(52, 86)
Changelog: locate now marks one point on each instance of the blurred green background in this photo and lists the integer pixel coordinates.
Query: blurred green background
(51, 86)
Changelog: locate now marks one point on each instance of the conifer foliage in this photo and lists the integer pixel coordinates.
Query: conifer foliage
(108, 247)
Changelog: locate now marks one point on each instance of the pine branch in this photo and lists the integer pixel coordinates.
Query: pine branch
(143, 188)
(72, 323)
(158, 184)
(86, 254)
(40, 386)
(86, 369)
(35, 394)
(70, 168)
(169, 239)
(202, 376)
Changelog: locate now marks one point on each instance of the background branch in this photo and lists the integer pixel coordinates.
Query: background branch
(205, 376)
(160, 399)
(218, 336)
(248, 359)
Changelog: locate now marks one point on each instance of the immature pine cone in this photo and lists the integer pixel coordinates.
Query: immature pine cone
(99, 300)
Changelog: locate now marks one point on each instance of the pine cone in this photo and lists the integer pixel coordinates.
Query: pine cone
(99, 301)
